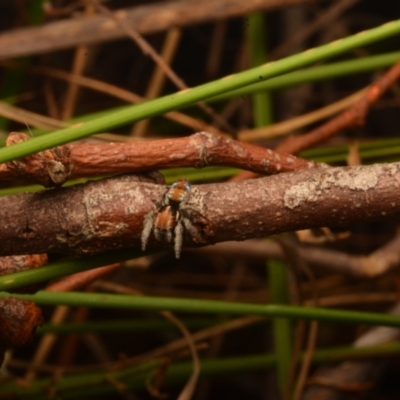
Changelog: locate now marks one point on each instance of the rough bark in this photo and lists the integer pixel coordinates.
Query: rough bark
(109, 214)
(55, 166)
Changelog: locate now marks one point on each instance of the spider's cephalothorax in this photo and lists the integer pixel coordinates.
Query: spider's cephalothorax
(178, 193)
(171, 217)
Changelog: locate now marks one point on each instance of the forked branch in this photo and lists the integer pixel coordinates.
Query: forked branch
(55, 166)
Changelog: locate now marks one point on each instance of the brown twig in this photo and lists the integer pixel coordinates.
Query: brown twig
(54, 167)
(307, 359)
(147, 19)
(33, 119)
(158, 78)
(344, 300)
(73, 282)
(351, 118)
(215, 52)
(187, 391)
(79, 64)
(324, 19)
(340, 381)
(81, 279)
(46, 343)
(147, 49)
(109, 214)
(382, 260)
(69, 345)
(377, 263)
(296, 123)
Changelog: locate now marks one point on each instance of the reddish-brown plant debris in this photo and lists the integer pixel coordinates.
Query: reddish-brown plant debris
(81, 279)
(18, 321)
(109, 214)
(19, 318)
(53, 167)
(351, 118)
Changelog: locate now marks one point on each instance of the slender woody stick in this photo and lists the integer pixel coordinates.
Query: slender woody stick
(53, 167)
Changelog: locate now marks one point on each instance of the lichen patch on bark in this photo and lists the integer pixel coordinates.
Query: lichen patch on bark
(360, 178)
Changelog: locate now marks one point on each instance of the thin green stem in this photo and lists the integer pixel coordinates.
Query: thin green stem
(316, 74)
(262, 102)
(148, 109)
(86, 385)
(308, 75)
(105, 300)
(66, 267)
(171, 175)
(277, 274)
(282, 328)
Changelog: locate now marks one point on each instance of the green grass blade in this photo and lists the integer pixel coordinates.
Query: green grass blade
(177, 373)
(104, 300)
(316, 74)
(262, 102)
(134, 113)
(66, 267)
(281, 327)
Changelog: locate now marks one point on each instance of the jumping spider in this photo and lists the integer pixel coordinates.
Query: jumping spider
(171, 217)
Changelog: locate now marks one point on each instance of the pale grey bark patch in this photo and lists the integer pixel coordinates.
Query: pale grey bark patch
(359, 178)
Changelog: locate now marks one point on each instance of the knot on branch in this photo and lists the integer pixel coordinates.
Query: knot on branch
(204, 143)
(48, 168)
(217, 150)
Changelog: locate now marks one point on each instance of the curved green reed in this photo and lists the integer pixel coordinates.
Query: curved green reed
(177, 100)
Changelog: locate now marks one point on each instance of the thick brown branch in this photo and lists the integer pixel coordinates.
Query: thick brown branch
(53, 167)
(146, 19)
(109, 214)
